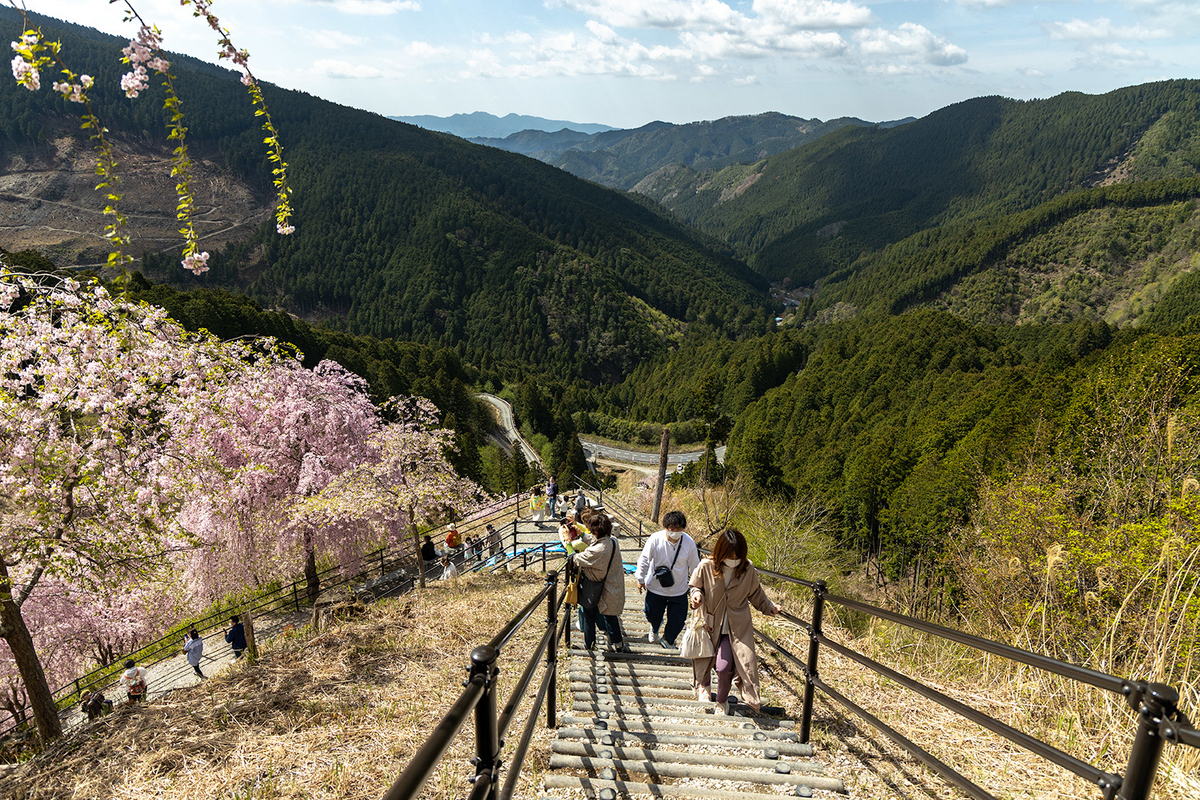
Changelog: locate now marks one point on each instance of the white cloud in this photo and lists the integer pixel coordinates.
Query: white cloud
(330, 68)
(325, 38)
(1101, 28)
(1112, 56)
(1030, 72)
(746, 80)
(812, 14)
(990, 3)
(424, 51)
(372, 8)
(910, 43)
(669, 14)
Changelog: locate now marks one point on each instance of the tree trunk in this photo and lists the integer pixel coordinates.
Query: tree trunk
(14, 632)
(311, 579)
(417, 545)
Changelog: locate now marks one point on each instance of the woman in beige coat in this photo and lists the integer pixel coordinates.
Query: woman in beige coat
(726, 585)
(602, 561)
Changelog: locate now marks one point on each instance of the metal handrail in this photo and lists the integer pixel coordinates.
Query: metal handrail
(479, 696)
(1156, 705)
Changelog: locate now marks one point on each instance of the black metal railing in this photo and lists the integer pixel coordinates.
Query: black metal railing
(1155, 704)
(292, 595)
(481, 697)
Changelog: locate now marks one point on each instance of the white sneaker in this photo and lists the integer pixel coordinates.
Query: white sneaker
(703, 695)
(721, 709)
(652, 637)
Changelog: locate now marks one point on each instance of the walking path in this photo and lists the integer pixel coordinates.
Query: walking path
(175, 673)
(637, 728)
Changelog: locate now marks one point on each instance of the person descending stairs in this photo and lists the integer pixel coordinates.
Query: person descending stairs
(638, 728)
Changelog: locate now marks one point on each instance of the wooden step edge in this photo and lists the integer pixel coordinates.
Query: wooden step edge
(610, 790)
(619, 767)
(645, 738)
(624, 753)
(608, 711)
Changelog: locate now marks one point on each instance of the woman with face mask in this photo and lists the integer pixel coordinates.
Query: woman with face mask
(725, 585)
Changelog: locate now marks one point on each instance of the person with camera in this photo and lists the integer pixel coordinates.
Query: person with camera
(663, 569)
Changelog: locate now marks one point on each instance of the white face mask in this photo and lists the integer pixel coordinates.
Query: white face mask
(732, 562)
(674, 536)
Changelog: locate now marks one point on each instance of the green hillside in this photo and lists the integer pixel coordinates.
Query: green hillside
(422, 236)
(808, 212)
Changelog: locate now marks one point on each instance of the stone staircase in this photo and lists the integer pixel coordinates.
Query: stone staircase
(637, 729)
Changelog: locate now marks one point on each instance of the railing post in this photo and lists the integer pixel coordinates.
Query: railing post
(296, 595)
(809, 688)
(552, 650)
(543, 556)
(381, 551)
(525, 560)
(1154, 703)
(487, 731)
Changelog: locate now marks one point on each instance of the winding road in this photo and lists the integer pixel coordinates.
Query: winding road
(591, 450)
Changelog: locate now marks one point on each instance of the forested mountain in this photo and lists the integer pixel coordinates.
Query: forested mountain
(811, 211)
(627, 159)
(422, 236)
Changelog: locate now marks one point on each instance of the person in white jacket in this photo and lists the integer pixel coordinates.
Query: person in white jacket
(663, 569)
(193, 647)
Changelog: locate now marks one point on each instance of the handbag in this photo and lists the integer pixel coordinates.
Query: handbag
(663, 574)
(590, 590)
(571, 592)
(696, 642)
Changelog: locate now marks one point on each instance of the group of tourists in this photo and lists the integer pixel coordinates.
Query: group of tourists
(134, 681)
(458, 551)
(719, 589)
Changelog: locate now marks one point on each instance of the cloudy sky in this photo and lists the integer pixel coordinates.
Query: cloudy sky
(628, 62)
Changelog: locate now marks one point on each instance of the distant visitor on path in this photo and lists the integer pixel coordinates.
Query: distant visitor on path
(453, 538)
(581, 502)
(449, 571)
(667, 561)
(428, 552)
(134, 681)
(94, 705)
(236, 636)
(551, 496)
(725, 585)
(193, 647)
(493, 539)
(537, 506)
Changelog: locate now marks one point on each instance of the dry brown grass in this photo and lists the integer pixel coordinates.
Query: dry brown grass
(875, 769)
(335, 715)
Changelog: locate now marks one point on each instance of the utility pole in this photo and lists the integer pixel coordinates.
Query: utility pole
(662, 472)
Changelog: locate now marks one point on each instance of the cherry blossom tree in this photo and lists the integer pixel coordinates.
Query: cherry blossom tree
(91, 389)
(285, 432)
(408, 481)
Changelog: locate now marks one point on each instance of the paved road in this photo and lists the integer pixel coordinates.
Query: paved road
(591, 450)
(506, 422)
(594, 449)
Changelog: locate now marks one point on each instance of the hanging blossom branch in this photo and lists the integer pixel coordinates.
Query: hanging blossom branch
(33, 54)
(283, 207)
(146, 51)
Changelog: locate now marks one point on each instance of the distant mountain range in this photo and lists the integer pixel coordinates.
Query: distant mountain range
(482, 124)
(622, 158)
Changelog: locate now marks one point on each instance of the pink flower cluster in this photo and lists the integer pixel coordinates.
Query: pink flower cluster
(74, 91)
(22, 67)
(196, 262)
(140, 53)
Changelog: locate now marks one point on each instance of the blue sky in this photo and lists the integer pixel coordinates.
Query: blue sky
(628, 62)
